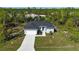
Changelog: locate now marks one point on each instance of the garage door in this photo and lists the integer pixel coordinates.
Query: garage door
(31, 32)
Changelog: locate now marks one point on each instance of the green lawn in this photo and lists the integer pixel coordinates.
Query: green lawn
(56, 42)
(11, 45)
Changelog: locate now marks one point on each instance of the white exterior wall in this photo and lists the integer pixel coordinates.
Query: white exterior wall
(31, 32)
(34, 32)
(48, 30)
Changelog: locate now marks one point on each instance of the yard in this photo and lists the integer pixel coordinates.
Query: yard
(11, 45)
(63, 40)
(14, 43)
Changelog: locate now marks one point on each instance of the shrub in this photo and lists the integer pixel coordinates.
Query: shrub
(74, 38)
(51, 33)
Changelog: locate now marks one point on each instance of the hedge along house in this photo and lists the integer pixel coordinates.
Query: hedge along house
(39, 28)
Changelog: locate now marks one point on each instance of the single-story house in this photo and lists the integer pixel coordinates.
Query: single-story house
(39, 28)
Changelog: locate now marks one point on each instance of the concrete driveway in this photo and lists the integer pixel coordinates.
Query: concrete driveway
(28, 43)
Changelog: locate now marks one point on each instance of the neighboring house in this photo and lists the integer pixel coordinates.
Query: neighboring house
(34, 15)
(42, 15)
(39, 28)
(31, 15)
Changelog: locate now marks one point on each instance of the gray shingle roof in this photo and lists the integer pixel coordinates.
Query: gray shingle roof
(36, 24)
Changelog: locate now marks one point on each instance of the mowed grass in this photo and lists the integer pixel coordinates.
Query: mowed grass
(11, 45)
(59, 41)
